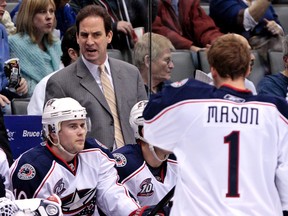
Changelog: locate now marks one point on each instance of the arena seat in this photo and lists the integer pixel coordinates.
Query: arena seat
(203, 64)
(115, 53)
(19, 106)
(275, 60)
(258, 70)
(282, 12)
(184, 65)
(10, 6)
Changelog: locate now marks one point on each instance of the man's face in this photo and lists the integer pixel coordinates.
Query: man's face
(162, 67)
(72, 135)
(93, 40)
(3, 5)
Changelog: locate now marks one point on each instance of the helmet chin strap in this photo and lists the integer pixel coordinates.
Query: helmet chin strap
(61, 148)
(151, 147)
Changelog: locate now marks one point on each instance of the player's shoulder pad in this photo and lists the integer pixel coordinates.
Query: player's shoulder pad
(128, 158)
(178, 91)
(280, 103)
(94, 143)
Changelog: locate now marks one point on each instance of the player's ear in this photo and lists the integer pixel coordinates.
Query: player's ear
(214, 73)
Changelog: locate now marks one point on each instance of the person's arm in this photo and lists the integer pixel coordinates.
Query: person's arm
(258, 9)
(112, 197)
(227, 14)
(160, 26)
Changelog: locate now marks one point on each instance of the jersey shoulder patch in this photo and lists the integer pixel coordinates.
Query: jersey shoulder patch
(120, 159)
(179, 83)
(26, 172)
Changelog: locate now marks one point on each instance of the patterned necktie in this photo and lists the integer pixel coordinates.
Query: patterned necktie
(111, 100)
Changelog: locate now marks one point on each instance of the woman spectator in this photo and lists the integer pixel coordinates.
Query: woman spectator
(34, 44)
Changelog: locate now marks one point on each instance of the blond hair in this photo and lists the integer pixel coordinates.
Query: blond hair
(158, 44)
(25, 16)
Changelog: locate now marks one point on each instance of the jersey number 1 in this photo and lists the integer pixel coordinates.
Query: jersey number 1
(233, 163)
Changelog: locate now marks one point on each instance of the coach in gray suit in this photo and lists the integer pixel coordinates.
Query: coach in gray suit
(81, 80)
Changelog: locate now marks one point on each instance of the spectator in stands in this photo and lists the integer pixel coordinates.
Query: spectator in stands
(14, 11)
(126, 15)
(254, 19)
(34, 44)
(70, 50)
(65, 16)
(277, 84)
(86, 80)
(186, 24)
(148, 172)
(5, 18)
(5, 94)
(161, 61)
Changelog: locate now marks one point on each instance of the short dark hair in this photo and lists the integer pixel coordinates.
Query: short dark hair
(69, 41)
(229, 56)
(95, 11)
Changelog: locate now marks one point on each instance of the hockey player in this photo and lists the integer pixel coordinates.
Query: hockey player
(79, 171)
(231, 146)
(4, 173)
(148, 172)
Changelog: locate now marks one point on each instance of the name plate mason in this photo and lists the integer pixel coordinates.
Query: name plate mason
(24, 132)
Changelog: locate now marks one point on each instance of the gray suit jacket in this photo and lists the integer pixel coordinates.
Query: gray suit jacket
(77, 82)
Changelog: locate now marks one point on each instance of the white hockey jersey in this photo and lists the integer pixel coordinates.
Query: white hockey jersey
(38, 173)
(231, 148)
(4, 168)
(137, 177)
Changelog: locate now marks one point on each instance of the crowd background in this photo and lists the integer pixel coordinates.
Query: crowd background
(190, 40)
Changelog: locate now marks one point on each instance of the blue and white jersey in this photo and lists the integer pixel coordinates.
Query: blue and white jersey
(4, 168)
(137, 177)
(231, 147)
(89, 181)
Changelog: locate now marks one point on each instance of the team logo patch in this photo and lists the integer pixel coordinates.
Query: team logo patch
(121, 160)
(26, 172)
(179, 83)
(234, 98)
(59, 187)
(146, 188)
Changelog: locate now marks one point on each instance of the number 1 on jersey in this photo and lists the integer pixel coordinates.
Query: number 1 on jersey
(233, 163)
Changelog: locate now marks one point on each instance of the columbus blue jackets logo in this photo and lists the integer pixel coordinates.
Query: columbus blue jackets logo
(146, 188)
(120, 159)
(26, 172)
(59, 187)
(81, 202)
